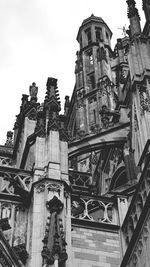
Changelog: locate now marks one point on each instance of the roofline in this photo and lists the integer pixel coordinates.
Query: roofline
(91, 21)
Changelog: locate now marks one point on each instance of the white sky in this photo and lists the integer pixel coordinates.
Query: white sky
(38, 40)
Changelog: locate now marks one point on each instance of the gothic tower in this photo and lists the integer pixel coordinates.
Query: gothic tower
(99, 105)
(93, 63)
(75, 188)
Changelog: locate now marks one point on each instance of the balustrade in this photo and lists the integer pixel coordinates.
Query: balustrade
(92, 209)
(10, 180)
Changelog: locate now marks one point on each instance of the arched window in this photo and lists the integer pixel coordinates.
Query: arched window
(89, 36)
(119, 178)
(98, 33)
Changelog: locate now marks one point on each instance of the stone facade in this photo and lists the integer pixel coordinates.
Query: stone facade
(75, 188)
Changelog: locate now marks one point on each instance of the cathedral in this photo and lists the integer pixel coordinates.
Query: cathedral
(75, 187)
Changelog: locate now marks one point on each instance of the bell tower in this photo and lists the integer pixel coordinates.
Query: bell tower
(94, 37)
(94, 78)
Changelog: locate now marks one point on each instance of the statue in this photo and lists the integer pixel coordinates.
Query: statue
(33, 90)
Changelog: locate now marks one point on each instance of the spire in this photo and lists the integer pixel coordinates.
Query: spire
(52, 95)
(52, 105)
(134, 18)
(146, 8)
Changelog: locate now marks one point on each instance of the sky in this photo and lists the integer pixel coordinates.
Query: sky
(38, 40)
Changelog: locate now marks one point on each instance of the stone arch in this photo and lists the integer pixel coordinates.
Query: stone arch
(119, 178)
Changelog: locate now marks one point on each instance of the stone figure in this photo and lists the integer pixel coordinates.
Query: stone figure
(33, 90)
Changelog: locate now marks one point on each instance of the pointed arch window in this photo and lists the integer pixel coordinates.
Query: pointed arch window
(89, 35)
(91, 81)
(98, 33)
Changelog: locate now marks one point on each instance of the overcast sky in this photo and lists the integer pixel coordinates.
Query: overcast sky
(38, 40)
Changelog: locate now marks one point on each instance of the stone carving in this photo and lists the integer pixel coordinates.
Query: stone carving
(40, 188)
(53, 123)
(6, 187)
(63, 133)
(121, 75)
(25, 181)
(144, 100)
(24, 103)
(105, 116)
(9, 141)
(32, 114)
(54, 187)
(54, 205)
(49, 186)
(4, 161)
(40, 130)
(33, 90)
(54, 241)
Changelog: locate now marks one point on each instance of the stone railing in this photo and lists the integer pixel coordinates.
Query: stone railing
(11, 181)
(86, 205)
(92, 209)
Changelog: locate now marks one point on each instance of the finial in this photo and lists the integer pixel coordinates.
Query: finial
(52, 95)
(134, 17)
(132, 10)
(67, 104)
(24, 101)
(33, 90)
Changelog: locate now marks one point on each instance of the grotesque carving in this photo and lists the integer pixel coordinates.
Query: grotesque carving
(9, 141)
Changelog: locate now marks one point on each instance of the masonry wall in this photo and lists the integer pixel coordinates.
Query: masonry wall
(92, 248)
